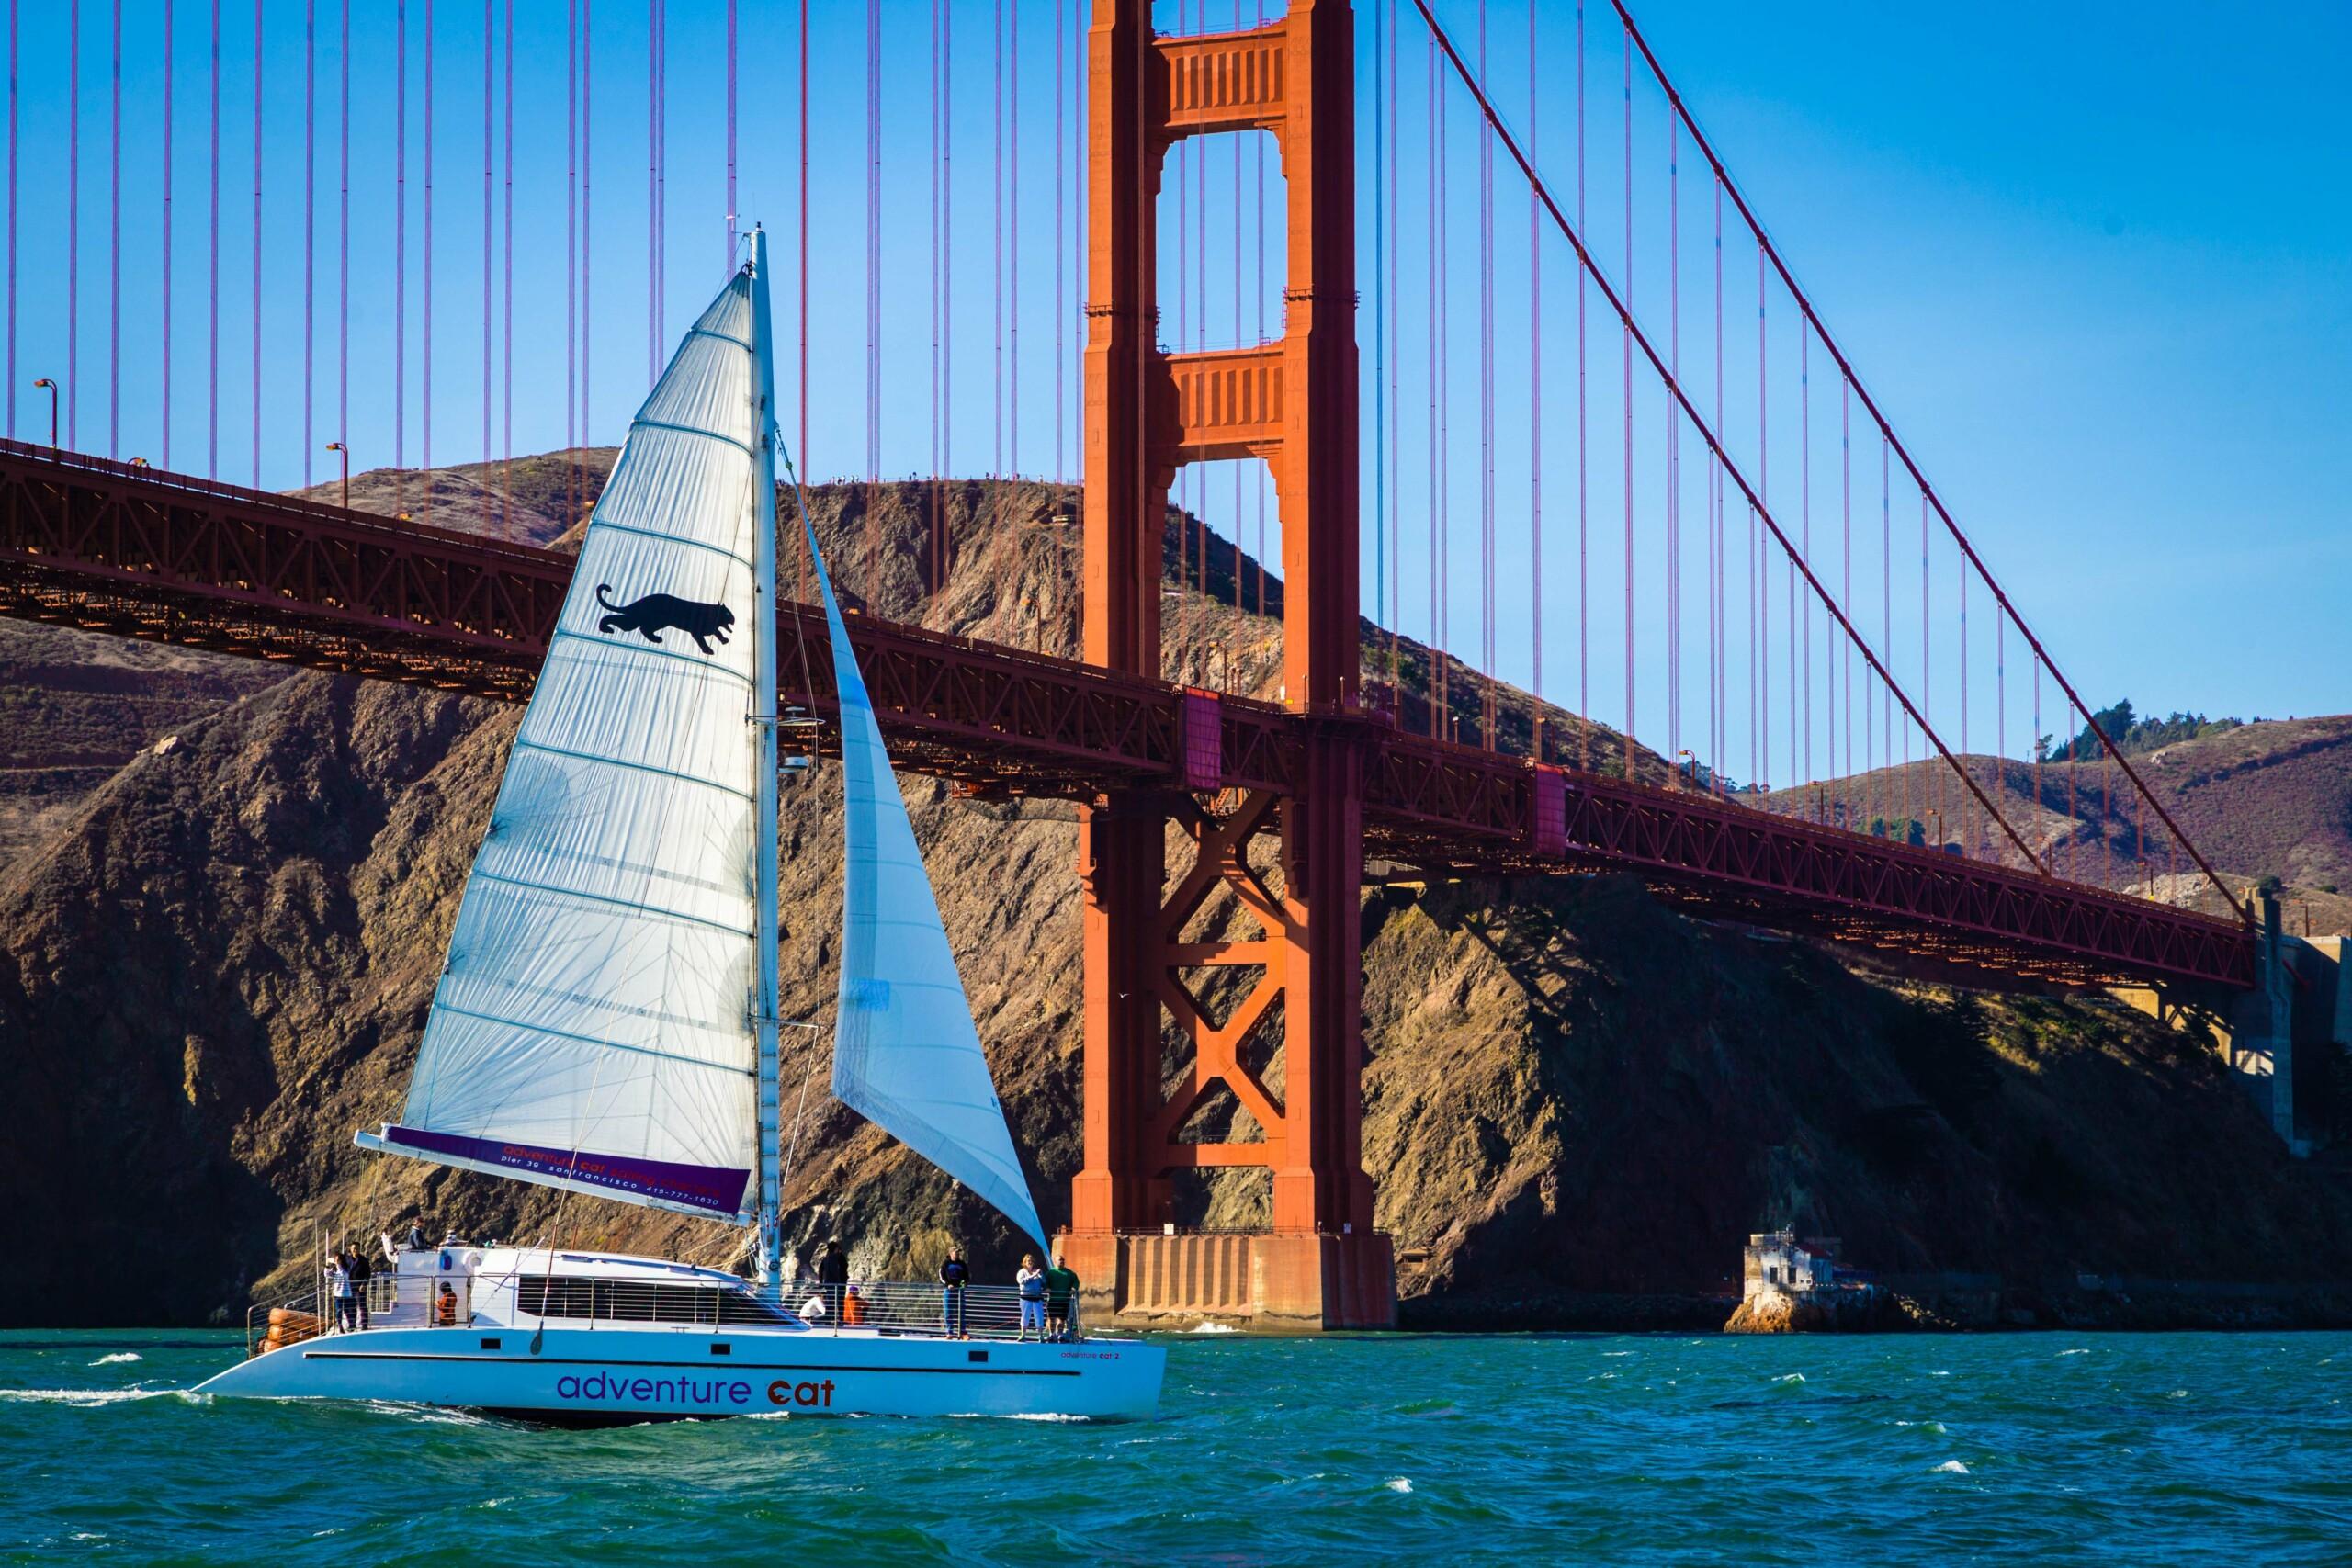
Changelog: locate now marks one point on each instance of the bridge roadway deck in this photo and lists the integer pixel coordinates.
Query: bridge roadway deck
(138, 552)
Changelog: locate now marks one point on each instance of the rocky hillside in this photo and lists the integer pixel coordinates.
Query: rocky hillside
(2267, 800)
(214, 965)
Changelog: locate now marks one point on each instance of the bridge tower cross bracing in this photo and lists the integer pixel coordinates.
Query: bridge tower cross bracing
(1290, 403)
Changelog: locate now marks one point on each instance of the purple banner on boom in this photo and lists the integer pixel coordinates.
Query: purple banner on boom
(718, 1188)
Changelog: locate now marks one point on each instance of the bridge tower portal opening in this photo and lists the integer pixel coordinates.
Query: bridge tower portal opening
(1290, 403)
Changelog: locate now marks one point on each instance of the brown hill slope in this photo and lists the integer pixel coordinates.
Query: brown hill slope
(217, 968)
(2271, 798)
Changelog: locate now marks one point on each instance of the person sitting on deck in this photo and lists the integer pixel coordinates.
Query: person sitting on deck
(1032, 1280)
(445, 1310)
(954, 1275)
(1061, 1301)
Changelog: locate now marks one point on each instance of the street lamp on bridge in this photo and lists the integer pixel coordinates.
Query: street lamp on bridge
(339, 447)
(45, 381)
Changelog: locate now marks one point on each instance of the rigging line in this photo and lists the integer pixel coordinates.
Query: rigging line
(652, 195)
(114, 252)
(255, 389)
(1690, 410)
(733, 76)
(1917, 474)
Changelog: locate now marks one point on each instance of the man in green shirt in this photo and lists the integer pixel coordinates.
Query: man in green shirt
(1061, 1301)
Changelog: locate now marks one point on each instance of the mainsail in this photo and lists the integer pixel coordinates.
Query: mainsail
(906, 1055)
(594, 1026)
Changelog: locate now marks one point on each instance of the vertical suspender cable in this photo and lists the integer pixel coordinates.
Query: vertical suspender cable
(1534, 384)
(587, 213)
(938, 260)
(255, 389)
(1444, 436)
(1435, 228)
(399, 240)
(488, 211)
(1760, 569)
(571, 258)
(114, 251)
(1379, 216)
(1389, 293)
(310, 233)
(73, 223)
(424, 378)
(14, 28)
(343, 239)
(1625, 340)
(1011, 237)
(872, 299)
(1846, 552)
(164, 379)
(1061, 174)
(996, 130)
(1673, 451)
(1486, 412)
(1718, 627)
(1803, 773)
(506, 284)
(213, 292)
(807, 464)
(1583, 520)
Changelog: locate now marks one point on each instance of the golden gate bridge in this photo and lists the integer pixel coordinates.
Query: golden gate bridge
(1682, 565)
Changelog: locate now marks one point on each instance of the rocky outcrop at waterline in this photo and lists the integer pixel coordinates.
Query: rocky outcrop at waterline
(214, 965)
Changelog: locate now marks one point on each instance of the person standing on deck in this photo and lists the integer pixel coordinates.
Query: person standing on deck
(356, 1267)
(1061, 1301)
(832, 1276)
(1032, 1280)
(339, 1289)
(954, 1275)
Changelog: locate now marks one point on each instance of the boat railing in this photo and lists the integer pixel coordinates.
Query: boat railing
(319, 1311)
(891, 1306)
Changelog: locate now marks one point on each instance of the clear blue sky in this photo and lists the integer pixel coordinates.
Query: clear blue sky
(2095, 261)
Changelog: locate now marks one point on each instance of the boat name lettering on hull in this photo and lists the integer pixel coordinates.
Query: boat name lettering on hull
(802, 1395)
(601, 1387)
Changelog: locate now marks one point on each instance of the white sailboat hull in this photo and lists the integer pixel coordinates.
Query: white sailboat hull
(613, 1374)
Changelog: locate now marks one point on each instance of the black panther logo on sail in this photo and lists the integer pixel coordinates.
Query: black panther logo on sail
(658, 613)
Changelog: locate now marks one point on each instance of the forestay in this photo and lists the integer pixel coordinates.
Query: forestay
(592, 1027)
(906, 1055)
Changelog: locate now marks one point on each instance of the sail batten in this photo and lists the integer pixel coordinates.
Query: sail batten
(592, 1029)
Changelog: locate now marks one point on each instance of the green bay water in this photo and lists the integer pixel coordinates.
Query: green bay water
(2140, 1449)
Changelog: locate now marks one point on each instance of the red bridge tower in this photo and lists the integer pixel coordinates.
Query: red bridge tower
(1291, 404)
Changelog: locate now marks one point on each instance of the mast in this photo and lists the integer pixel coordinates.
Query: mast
(765, 1002)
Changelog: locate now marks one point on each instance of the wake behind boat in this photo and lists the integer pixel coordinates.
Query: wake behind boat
(607, 1020)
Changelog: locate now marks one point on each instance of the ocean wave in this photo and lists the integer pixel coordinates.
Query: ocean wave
(1951, 1467)
(1398, 1483)
(117, 1359)
(93, 1396)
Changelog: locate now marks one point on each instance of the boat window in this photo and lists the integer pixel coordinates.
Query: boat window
(634, 1300)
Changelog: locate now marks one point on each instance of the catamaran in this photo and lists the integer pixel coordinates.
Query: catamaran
(607, 1020)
